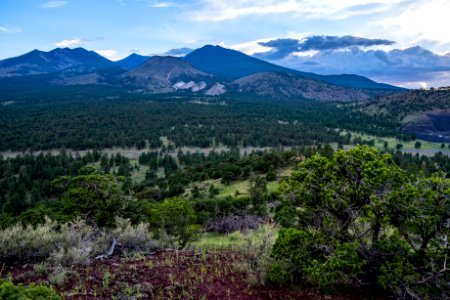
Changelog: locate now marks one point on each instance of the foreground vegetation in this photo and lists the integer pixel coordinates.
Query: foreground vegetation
(356, 221)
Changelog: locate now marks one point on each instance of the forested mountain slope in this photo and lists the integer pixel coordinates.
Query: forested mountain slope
(425, 113)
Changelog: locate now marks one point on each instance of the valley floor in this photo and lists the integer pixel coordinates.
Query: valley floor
(428, 148)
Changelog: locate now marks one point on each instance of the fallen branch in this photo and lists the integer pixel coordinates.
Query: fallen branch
(110, 252)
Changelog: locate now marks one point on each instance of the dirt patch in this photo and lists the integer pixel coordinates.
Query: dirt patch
(163, 275)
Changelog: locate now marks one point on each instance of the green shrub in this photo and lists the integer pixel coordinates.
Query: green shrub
(9, 291)
(356, 219)
(91, 195)
(6, 220)
(280, 273)
(35, 215)
(176, 217)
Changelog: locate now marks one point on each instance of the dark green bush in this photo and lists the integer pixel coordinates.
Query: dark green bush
(91, 195)
(9, 291)
(176, 217)
(356, 220)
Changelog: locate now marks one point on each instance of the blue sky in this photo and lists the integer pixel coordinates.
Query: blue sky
(115, 28)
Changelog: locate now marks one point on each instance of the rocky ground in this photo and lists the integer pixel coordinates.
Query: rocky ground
(162, 275)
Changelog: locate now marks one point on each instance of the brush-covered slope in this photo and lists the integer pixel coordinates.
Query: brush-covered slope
(282, 85)
(425, 113)
(161, 73)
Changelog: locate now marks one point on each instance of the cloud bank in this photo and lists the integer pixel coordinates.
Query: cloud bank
(284, 47)
(409, 67)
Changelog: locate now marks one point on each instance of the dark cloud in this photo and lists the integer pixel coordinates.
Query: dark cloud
(335, 42)
(179, 52)
(284, 47)
(280, 48)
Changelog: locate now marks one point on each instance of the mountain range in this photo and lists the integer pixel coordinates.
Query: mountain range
(76, 60)
(210, 70)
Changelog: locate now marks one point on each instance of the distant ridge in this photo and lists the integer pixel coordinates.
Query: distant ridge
(283, 85)
(57, 60)
(210, 70)
(231, 64)
(132, 61)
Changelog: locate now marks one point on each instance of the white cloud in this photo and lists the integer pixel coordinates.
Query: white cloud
(221, 10)
(76, 42)
(54, 4)
(425, 20)
(309, 53)
(109, 54)
(70, 43)
(7, 29)
(252, 47)
(162, 4)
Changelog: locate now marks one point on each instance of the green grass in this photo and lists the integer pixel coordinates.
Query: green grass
(240, 188)
(392, 143)
(272, 186)
(236, 240)
(237, 188)
(138, 175)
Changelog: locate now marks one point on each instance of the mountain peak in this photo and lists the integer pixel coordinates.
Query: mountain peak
(57, 60)
(161, 73)
(228, 63)
(132, 61)
(167, 64)
(214, 49)
(232, 64)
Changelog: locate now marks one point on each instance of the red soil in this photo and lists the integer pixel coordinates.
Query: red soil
(164, 275)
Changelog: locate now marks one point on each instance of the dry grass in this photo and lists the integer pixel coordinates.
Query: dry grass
(73, 243)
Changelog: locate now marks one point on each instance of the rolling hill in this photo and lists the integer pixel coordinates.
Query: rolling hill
(282, 85)
(425, 113)
(162, 73)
